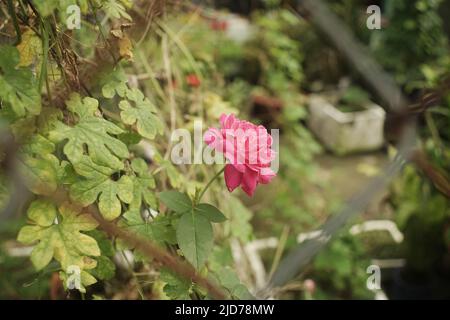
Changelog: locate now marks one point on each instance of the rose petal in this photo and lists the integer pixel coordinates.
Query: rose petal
(266, 175)
(249, 181)
(233, 177)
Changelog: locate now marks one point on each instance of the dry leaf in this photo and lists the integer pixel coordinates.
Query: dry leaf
(124, 44)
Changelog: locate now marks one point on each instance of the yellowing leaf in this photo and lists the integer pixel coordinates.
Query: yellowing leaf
(59, 236)
(18, 86)
(124, 44)
(29, 48)
(40, 169)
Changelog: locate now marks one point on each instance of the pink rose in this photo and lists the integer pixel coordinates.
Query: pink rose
(248, 149)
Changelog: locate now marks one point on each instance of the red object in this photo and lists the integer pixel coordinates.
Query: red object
(218, 25)
(193, 81)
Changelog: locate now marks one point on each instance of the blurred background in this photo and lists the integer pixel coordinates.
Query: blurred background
(268, 61)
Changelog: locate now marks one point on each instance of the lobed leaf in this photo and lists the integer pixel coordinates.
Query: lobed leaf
(18, 86)
(142, 114)
(91, 131)
(59, 236)
(98, 184)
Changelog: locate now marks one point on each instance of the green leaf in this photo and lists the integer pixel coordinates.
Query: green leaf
(143, 183)
(239, 219)
(142, 114)
(104, 243)
(42, 212)
(91, 131)
(30, 48)
(116, 9)
(176, 201)
(18, 86)
(176, 288)
(210, 212)
(5, 190)
(175, 178)
(228, 279)
(105, 269)
(115, 82)
(47, 7)
(59, 236)
(40, 169)
(159, 229)
(98, 184)
(40, 175)
(195, 238)
(130, 137)
(219, 264)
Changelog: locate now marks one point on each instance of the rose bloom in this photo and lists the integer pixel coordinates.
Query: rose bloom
(248, 149)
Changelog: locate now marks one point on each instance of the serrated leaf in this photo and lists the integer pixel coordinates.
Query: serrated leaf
(175, 178)
(115, 83)
(143, 183)
(105, 245)
(195, 238)
(61, 237)
(105, 268)
(176, 201)
(176, 288)
(40, 169)
(142, 114)
(86, 280)
(91, 131)
(159, 229)
(42, 212)
(39, 174)
(47, 7)
(18, 86)
(229, 280)
(210, 212)
(116, 9)
(98, 184)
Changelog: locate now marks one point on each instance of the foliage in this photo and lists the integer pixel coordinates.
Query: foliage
(88, 148)
(58, 235)
(92, 112)
(414, 37)
(345, 258)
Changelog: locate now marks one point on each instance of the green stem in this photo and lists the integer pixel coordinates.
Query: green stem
(209, 183)
(12, 13)
(45, 49)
